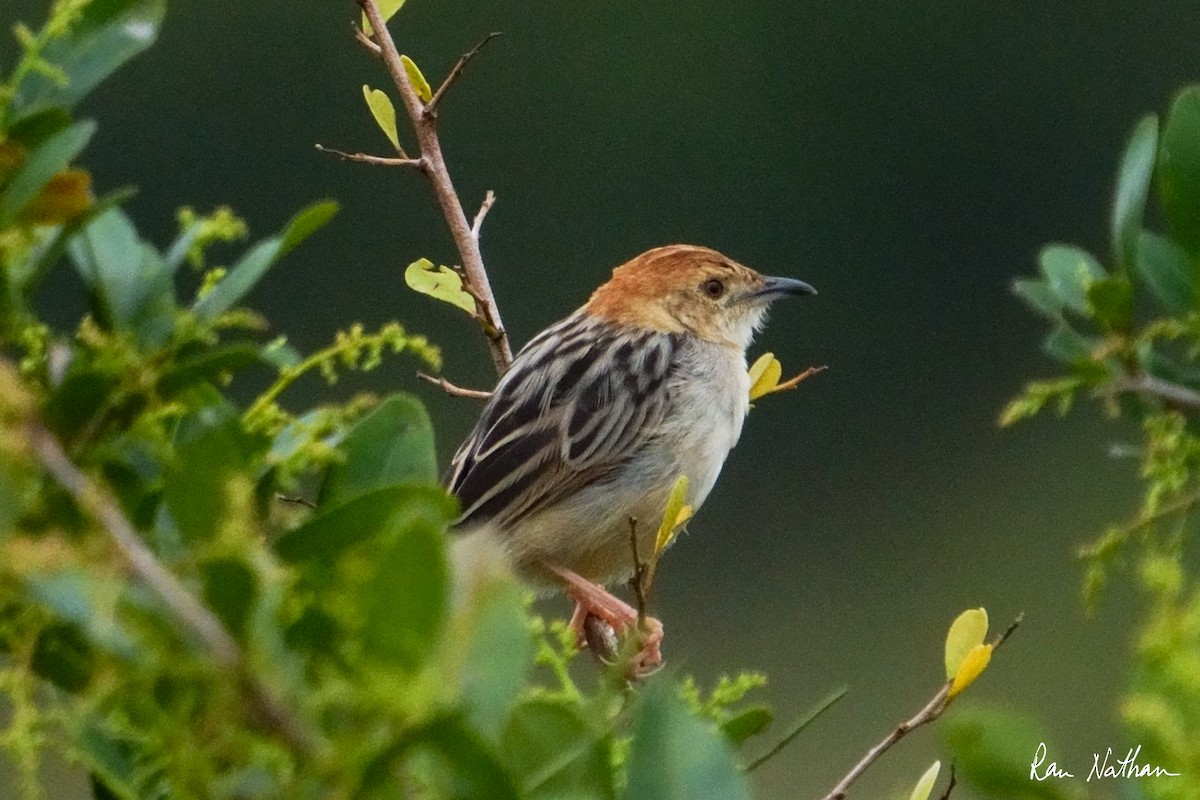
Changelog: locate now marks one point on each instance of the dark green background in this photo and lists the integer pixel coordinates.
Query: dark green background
(907, 158)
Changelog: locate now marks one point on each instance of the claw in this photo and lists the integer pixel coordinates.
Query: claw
(594, 600)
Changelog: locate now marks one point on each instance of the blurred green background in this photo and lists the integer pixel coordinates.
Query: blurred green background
(907, 158)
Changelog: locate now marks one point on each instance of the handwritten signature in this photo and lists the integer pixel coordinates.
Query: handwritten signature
(1127, 767)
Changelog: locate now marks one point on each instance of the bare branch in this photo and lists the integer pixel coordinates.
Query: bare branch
(187, 610)
(822, 705)
(296, 500)
(1180, 397)
(792, 383)
(950, 786)
(365, 40)
(639, 573)
(457, 391)
(932, 710)
(431, 107)
(489, 200)
(380, 161)
(474, 274)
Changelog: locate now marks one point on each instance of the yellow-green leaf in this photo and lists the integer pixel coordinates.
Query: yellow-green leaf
(440, 282)
(764, 375)
(925, 785)
(674, 515)
(419, 84)
(384, 113)
(965, 634)
(972, 667)
(387, 8)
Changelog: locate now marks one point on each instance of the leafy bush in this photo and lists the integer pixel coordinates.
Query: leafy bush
(178, 619)
(173, 616)
(1129, 333)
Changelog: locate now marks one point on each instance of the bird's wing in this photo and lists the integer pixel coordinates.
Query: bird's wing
(577, 402)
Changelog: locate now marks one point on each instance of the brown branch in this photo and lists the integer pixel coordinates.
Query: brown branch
(455, 72)
(365, 40)
(792, 383)
(1180, 397)
(435, 169)
(639, 573)
(931, 711)
(380, 161)
(186, 609)
(296, 500)
(950, 786)
(457, 391)
(489, 200)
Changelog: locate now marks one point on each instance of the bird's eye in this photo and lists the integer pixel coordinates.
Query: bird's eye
(713, 288)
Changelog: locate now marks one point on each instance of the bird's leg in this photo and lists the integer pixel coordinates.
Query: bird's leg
(592, 599)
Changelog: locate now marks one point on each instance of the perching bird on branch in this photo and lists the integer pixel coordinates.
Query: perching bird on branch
(601, 413)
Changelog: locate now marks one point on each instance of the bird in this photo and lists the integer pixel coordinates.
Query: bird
(599, 414)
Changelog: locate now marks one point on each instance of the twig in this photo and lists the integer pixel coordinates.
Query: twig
(296, 500)
(792, 383)
(365, 40)
(435, 169)
(431, 106)
(489, 200)
(1181, 397)
(186, 609)
(457, 391)
(823, 705)
(381, 161)
(639, 573)
(932, 710)
(950, 786)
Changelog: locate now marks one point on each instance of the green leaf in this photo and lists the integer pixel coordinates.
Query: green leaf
(406, 598)
(749, 722)
(1179, 169)
(925, 784)
(1067, 345)
(993, 751)
(230, 590)
(676, 756)
(63, 656)
(384, 113)
(419, 84)
(1133, 181)
(555, 753)
(211, 449)
(78, 598)
(1111, 302)
(1167, 272)
(247, 272)
(50, 158)
(330, 532)
(113, 761)
(208, 366)
(393, 444)
(27, 274)
(1069, 270)
(967, 631)
(469, 757)
(127, 277)
(1038, 295)
(107, 34)
(499, 648)
(442, 283)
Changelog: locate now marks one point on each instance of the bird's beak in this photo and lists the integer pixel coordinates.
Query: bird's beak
(775, 288)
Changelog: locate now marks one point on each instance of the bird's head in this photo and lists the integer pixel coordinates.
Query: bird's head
(688, 289)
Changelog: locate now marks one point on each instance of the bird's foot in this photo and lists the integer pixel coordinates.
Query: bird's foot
(593, 600)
